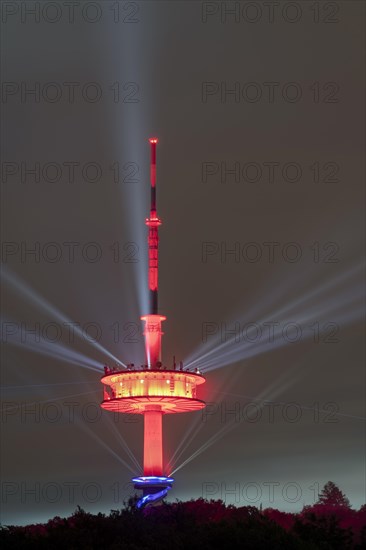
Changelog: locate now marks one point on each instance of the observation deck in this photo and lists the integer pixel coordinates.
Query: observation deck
(135, 392)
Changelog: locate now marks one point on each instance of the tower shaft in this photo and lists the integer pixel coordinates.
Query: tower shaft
(153, 441)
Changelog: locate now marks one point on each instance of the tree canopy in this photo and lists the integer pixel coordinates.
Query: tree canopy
(331, 495)
(197, 524)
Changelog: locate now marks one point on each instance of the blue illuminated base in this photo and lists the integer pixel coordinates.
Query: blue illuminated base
(154, 488)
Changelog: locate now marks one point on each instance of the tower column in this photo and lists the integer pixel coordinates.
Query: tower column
(153, 334)
(153, 441)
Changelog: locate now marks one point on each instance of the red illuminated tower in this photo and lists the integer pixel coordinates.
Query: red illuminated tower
(152, 390)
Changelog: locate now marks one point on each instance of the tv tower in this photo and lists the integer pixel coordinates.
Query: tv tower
(154, 389)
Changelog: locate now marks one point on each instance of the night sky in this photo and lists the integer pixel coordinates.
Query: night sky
(259, 110)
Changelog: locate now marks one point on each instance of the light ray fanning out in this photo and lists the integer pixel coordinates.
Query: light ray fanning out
(41, 303)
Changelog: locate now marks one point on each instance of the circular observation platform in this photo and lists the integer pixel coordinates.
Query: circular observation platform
(135, 392)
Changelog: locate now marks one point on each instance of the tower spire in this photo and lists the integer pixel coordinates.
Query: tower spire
(153, 224)
(153, 332)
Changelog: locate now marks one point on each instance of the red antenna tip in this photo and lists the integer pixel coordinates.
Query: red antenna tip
(153, 140)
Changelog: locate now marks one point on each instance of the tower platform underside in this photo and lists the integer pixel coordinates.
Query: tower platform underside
(138, 405)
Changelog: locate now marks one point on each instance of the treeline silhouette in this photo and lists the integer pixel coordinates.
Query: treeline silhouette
(330, 524)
